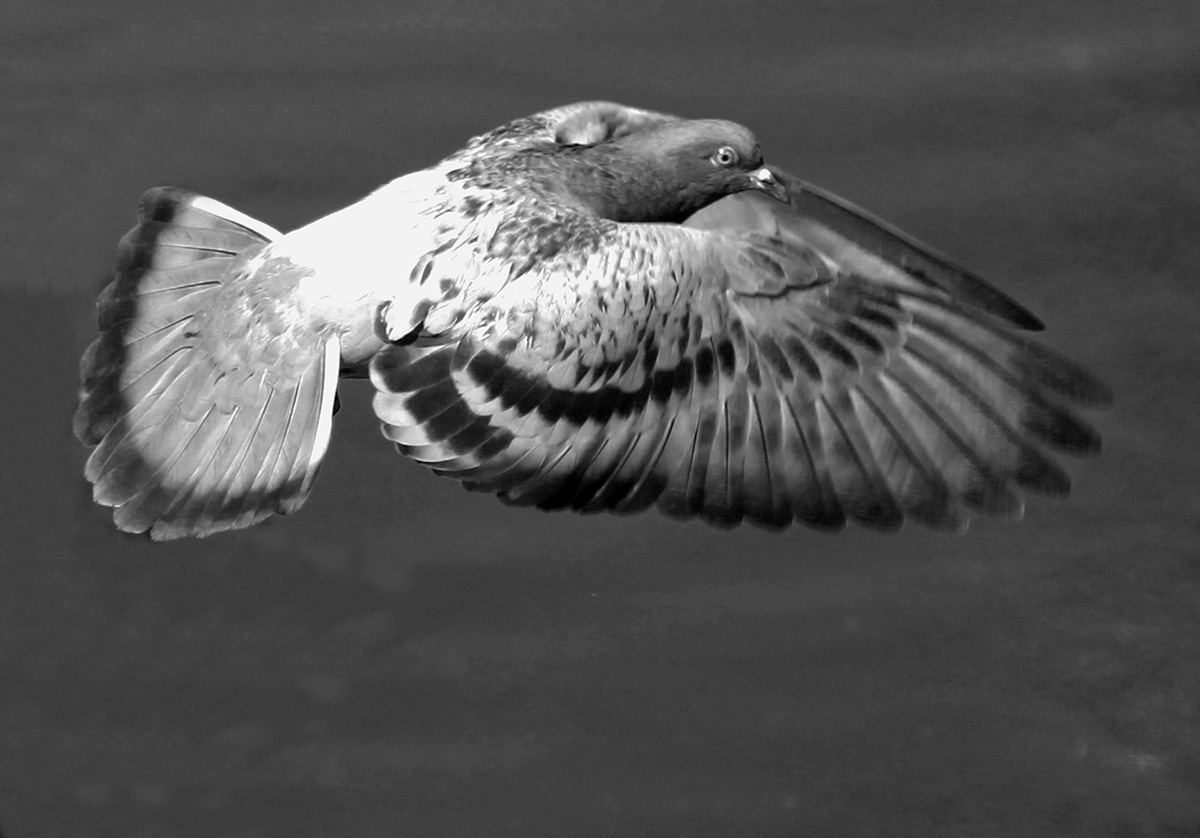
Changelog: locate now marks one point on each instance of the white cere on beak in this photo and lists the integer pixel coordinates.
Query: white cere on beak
(765, 177)
(766, 181)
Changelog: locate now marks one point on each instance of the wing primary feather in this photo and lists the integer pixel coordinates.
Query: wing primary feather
(1034, 471)
(765, 502)
(1035, 362)
(812, 494)
(983, 490)
(862, 489)
(929, 500)
(1040, 417)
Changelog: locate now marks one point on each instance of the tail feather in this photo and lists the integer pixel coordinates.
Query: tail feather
(191, 435)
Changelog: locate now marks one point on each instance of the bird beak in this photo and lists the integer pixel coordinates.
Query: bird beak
(764, 180)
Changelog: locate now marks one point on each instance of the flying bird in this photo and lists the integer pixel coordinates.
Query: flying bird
(597, 308)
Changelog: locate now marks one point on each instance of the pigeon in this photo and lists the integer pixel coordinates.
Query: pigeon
(595, 308)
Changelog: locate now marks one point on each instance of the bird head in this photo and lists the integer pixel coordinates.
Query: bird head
(683, 166)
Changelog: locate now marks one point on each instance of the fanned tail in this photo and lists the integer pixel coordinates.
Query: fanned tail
(209, 409)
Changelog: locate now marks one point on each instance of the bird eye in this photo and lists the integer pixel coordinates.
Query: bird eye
(725, 156)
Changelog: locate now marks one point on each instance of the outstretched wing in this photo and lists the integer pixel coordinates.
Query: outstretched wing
(768, 363)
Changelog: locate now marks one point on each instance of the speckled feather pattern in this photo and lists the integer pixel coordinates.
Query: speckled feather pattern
(732, 373)
(580, 309)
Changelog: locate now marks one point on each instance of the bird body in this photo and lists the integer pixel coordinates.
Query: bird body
(596, 308)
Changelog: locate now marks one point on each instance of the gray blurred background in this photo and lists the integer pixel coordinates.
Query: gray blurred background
(403, 658)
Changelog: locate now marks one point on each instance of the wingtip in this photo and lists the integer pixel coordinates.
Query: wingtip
(1022, 317)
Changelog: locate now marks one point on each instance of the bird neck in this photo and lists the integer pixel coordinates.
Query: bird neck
(609, 182)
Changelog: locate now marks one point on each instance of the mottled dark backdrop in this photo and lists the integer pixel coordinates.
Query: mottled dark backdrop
(406, 659)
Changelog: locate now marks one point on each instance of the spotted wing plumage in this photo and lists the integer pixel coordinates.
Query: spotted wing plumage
(765, 363)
